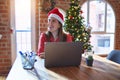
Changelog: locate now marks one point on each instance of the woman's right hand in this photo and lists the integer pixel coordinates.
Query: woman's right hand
(42, 55)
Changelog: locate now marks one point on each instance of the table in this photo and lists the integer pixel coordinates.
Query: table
(102, 69)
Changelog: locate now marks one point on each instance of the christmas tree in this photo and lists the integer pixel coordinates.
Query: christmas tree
(74, 24)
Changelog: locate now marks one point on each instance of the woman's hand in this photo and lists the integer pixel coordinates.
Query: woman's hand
(42, 55)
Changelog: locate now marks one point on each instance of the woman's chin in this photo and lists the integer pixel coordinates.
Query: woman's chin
(50, 30)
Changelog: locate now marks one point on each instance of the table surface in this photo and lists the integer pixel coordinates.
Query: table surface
(102, 69)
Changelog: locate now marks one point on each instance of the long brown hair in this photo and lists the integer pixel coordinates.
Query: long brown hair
(62, 36)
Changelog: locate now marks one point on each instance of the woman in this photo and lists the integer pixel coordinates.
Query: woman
(54, 33)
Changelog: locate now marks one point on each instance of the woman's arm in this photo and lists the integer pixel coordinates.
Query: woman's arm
(42, 40)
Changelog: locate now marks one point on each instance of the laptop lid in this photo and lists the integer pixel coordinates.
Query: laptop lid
(63, 54)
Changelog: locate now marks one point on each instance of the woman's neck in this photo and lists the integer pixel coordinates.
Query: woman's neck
(55, 35)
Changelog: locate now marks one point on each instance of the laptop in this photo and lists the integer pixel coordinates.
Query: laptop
(60, 54)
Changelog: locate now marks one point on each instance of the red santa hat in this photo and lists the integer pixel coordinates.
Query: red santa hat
(56, 14)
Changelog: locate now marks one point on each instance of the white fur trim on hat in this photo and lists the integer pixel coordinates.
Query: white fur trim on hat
(57, 17)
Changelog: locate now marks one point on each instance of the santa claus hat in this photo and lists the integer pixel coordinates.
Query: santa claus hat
(56, 14)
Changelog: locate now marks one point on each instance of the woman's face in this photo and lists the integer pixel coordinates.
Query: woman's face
(53, 24)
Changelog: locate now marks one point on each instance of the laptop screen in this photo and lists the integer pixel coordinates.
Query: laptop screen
(63, 54)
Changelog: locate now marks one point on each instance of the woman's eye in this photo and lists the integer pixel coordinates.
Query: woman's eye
(53, 20)
(49, 20)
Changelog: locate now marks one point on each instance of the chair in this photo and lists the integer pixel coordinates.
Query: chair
(114, 55)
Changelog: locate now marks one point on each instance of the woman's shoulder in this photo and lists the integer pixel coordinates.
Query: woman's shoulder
(68, 34)
(42, 34)
(69, 37)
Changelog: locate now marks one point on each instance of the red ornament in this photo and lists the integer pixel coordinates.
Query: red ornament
(71, 17)
(81, 11)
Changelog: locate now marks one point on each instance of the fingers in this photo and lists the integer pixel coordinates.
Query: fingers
(42, 55)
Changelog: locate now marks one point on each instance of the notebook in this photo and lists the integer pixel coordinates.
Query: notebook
(60, 54)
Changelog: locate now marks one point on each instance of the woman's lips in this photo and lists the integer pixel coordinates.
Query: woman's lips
(51, 27)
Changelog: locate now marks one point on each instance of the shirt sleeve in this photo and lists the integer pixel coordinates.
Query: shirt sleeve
(42, 40)
(69, 38)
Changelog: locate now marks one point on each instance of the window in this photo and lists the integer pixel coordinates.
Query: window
(23, 24)
(100, 16)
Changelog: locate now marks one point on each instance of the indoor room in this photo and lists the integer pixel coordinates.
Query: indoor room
(31, 31)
